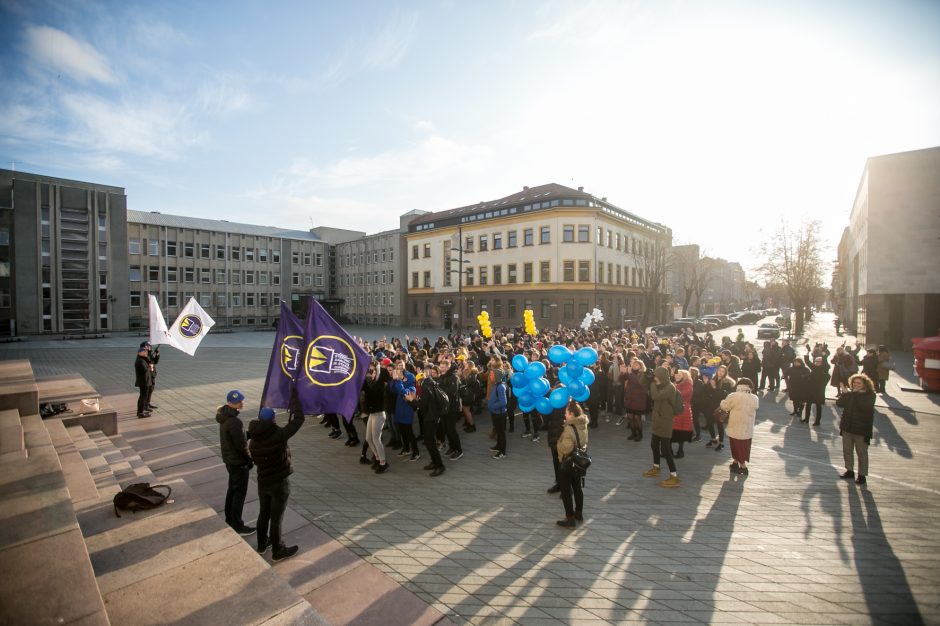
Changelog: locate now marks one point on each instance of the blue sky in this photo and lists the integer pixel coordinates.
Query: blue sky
(713, 118)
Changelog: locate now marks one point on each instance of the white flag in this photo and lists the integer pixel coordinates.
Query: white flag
(190, 327)
(158, 330)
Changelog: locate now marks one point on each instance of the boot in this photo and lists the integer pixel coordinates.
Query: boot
(568, 522)
(639, 433)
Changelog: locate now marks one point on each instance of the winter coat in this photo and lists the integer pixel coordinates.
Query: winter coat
(143, 376)
(450, 383)
(404, 412)
(372, 398)
(818, 377)
(683, 421)
(884, 358)
(566, 441)
(771, 360)
(664, 397)
(269, 448)
(858, 413)
(497, 402)
(699, 396)
(635, 392)
(799, 385)
(742, 413)
(232, 437)
(870, 366)
(554, 424)
(750, 368)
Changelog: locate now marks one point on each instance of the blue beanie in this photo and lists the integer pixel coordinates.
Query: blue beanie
(234, 396)
(266, 414)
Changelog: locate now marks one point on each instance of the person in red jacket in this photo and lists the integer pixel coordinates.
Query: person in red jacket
(682, 428)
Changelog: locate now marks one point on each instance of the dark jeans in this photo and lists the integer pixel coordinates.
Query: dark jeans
(408, 441)
(149, 395)
(570, 483)
(429, 426)
(712, 424)
(273, 502)
(662, 448)
(696, 420)
(499, 423)
(553, 448)
(532, 421)
(235, 496)
(880, 385)
(450, 427)
(142, 400)
(350, 428)
(771, 376)
(809, 406)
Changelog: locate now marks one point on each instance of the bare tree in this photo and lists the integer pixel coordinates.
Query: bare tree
(693, 271)
(793, 257)
(704, 272)
(652, 260)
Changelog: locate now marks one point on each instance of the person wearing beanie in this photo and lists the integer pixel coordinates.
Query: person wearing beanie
(663, 393)
(143, 379)
(237, 461)
(741, 406)
(270, 452)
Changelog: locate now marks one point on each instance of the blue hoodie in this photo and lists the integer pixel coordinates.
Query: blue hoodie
(496, 403)
(404, 412)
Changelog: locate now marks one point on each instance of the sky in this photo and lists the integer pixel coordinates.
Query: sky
(717, 119)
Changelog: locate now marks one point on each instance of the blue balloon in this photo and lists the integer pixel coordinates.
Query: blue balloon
(587, 376)
(558, 397)
(563, 375)
(586, 356)
(536, 369)
(524, 397)
(543, 406)
(518, 380)
(519, 363)
(526, 408)
(558, 354)
(584, 395)
(575, 387)
(539, 387)
(575, 370)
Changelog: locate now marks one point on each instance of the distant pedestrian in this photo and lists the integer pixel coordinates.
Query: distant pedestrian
(884, 369)
(818, 378)
(270, 451)
(798, 387)
(236, 458)
(682, 428)
(635, 396)
(371, 405)
(741, 406)
(857, 400)
(497, 403)
(143, 379)
(663, 393)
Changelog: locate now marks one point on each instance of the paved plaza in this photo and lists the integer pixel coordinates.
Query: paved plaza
(790, 544)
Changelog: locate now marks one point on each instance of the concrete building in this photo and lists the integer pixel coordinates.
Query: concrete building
(238, 273)
(557, 251)
(63, 256)
(722, 284)
(726, 291)
(888, 280)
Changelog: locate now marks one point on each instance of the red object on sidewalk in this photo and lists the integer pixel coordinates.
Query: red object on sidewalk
(927, 361)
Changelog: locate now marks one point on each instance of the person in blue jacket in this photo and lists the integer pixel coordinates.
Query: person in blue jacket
(403, 384)
(497, 403)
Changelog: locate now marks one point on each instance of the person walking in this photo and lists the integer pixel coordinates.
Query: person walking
(372, 405)
(741, 406)
(857, 400)
(270, 451)
(663, 393)
(143, 379)
(574, 435)
(237, 461)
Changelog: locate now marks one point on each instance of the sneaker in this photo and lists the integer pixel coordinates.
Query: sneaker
(526, 434)
(499, 455)
(245, 531)
(365, 460)
(151, 407)
(381, 469)
(456, 455)
(535, 439)
(553, 489)
(284, 552)
(669, 483)
(437, 471)
(335, 434)
(711, 442)
(568, 522)
(404, 452)
(141, 416)
(847, 474)
(651, 472)
(860, 480)
(619, 421)
(449, 452)
(494, 449)
(720, 446)
(430, 466)
(696, 438)
(263, 546)
(415, 457)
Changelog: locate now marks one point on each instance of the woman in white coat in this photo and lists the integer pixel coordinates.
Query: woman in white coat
(741, 406)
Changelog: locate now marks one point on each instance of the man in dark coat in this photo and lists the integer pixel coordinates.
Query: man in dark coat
(270, 451)
(236, 459)
(153, 355)
(451, 386)
(143, 379)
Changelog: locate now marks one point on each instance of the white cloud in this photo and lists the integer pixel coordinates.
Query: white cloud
(224, 93)
(387, 48)
(63, 53)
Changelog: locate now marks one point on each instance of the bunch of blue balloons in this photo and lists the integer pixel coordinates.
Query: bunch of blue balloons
(532, 388)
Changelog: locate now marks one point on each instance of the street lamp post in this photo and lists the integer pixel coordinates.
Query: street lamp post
(459, 270)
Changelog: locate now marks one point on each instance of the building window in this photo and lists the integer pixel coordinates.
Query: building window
(205, 299)
(249, 277)
(610, 273)
(484, 244)
(568, 310)
(584, 233)
(133, 273)
(469, 277)
(427, 279)
(171, 274)
(546, 309)
(598, 236)
(204, 251)
(527, 237)
(220, 277)
(220, 253)
(295, 279)
(600, 271)
(189, 275)
(236, 253)
(307, 258)
(511, 273)
(610, 239)
(135, 299)
(236, 299)
(584, 271)
(414, 251)
(153, 247)
(483, 275)
(567, 274)
(205, 275)
(511, 309)
(133, 246)
(153, 273)
(527, 272)
(275, 256)
(249, 254)
(172, 299)
(236, 277)
(414, 280)
(318, 259)
(427, 250)
(189, 250)
(511, 239)
(497, 241)
(276, 279)
(567, 233)
(391, 277)
(220, 299)
(619, 275)
(497, 308)
(617, 240)
(545, 271)
(263, 255)
(545, 234)
(497, 274)
(171, 248)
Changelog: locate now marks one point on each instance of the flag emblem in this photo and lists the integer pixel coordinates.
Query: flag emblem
(291, 348)
(330, 361)
(190, 326)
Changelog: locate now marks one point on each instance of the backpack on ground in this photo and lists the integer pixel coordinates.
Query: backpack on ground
(677, 404)
(140, 497)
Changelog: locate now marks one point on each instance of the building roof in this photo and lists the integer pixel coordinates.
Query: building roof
(155, 218)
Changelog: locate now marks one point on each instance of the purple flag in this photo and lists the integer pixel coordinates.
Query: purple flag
(286, 357)
(333, 366)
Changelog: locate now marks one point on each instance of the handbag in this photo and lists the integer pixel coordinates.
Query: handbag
(579, 460)
(721, 415)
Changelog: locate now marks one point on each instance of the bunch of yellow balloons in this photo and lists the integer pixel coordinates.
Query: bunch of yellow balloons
(530, 322)
(485, 328)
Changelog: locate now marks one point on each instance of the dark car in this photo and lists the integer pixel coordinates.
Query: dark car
(768, 330)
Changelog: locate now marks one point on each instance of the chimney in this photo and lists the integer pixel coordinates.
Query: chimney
(580, 188)
(604, 199)
(525, 188)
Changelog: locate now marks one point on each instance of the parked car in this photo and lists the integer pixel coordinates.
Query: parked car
(672, 328)
(768, 330)
(721, 320)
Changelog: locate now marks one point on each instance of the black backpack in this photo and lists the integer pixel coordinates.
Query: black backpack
(139, 497)
(439, 398)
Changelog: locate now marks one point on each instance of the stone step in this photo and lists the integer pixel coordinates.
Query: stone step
(107, 482)
(135, 470)
(78, 479)
(11, 432)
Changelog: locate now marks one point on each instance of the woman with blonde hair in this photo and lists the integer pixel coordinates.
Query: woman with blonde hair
(574, 435)
(857, 400)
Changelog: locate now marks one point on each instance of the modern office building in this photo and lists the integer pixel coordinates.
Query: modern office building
(558, 251)
(888, 286)
(63, 256)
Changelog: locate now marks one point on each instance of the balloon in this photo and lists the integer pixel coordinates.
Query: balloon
(519, 363)
(558, 397)
(586, 356)
(526, 408)
(518, 380)
(574, 370)
(558, 354)
(563, 375)
(536, 369)
(584, 395)
(587, 376)
(539, 387)
(524, 397)
(543, 406)
(575, 387)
